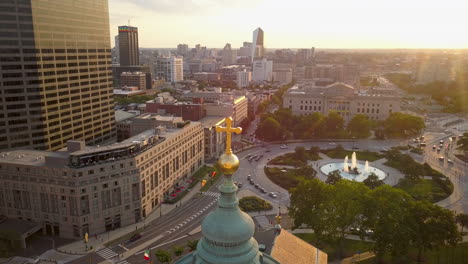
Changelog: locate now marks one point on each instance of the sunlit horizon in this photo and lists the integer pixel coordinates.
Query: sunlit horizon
(336, 24)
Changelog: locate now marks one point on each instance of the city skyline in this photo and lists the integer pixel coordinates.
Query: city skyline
(334, 24)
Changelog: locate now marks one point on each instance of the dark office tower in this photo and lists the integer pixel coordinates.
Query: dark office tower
(258, 49)
(128, 46)
(55, 73)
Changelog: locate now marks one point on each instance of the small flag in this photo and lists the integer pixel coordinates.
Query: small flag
(147, 255)
(213, 174)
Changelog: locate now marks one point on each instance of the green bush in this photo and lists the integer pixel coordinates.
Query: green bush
(253, 203)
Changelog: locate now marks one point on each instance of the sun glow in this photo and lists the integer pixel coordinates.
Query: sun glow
(297, 23)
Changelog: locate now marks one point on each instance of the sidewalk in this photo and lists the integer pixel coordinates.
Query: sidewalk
(78, 247)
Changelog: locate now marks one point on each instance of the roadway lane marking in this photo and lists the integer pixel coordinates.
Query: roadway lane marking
(155, 239)
(122, 246)
(168, 242)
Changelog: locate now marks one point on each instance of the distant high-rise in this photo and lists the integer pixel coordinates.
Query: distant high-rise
(257, 44)
(116, 51)
(182, 49)
(128, 46)
(229, 55)
(262, 70)
(170, 69)
(55, 73)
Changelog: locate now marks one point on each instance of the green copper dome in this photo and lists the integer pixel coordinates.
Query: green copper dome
(227, 231)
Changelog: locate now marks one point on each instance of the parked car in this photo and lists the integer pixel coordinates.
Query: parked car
(441, 142)
(272, 194)
(249, 177)
(283, 147)
(441, 158)
(450, 161)
(239, 185)
(257, 186)
(434, 147)
(263, 190)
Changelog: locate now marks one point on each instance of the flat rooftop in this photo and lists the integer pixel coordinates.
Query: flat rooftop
(211, 121)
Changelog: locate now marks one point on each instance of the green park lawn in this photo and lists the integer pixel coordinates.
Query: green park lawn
(286, 178)
(350, 247)
(426, 189)
(361, 155)
(452, 255)
(287, 159)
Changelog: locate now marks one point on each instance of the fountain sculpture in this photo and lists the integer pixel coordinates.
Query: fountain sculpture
(353, 171)
(345, 165)
(353, 161)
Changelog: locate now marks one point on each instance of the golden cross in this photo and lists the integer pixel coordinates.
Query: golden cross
(228, 129)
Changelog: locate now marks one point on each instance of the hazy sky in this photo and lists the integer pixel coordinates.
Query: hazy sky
(296, 23)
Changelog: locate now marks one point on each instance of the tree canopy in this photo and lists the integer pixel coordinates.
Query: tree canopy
(386, 215)
(360, 126)
(403, 125)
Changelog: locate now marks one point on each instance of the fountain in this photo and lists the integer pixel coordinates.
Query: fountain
(345, 165)
(353, 161)
(355, 171)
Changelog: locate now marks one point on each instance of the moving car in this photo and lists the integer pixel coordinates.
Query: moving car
(272, 194)
(283, 147)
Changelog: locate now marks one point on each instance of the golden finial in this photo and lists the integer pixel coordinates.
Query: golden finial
(228, 162)
(278, 219)
(228, 129)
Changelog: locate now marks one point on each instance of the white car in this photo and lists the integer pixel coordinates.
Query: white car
(450, 161)
(283, 147)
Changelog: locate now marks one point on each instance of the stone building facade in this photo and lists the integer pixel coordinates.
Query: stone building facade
(306, 99)
(97, 189)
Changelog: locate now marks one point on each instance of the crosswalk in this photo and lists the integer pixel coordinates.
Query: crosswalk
(212, 194)
(106, 253)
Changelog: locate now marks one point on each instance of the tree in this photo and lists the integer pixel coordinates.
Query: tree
(403, 125)
(332, 125)
(462, 143)
(192, 244)
(333, 177)
(310, 205)
(432, 227)
(163, 256)
(347, 201)
(462, 219)
(372, 181)
(309, 126)
(360, 126)
(300, 154)
(384, 220)
(270, 130)
(306, 171)
(178, 250)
